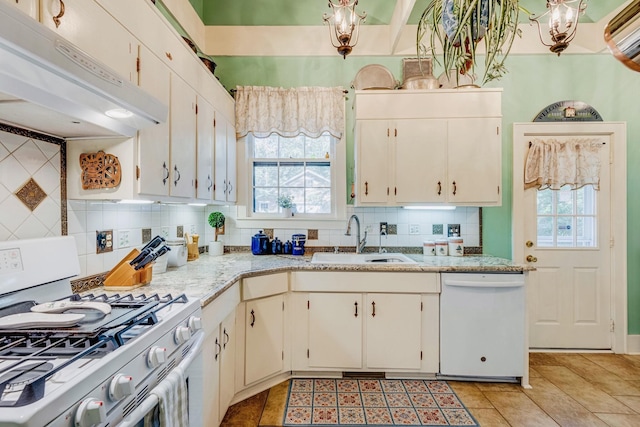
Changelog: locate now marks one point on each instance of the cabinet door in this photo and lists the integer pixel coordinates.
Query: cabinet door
(474, 161)
(373, 161)
(264, 338)
(393, 323)
(211, 372)
(227, 362)
(420, 167)
(88, 26)
(183, 139)
(153, 141)
(231, 163)
(335, 330)
(205, 116)
(30, 7)
(220, 187)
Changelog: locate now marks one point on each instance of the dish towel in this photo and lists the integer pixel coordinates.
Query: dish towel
(173, 400)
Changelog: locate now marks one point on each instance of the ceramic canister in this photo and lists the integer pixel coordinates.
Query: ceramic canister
(442, 248)
(429, 248)
(456, 246)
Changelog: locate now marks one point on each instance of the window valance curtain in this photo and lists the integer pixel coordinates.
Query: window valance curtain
(311, 111)
(553, 164)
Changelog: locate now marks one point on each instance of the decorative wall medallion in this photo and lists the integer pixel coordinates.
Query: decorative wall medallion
(31, 194)
(100, 170)
(568, 111)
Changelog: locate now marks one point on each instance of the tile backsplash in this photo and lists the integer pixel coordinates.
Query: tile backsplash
(24, 158)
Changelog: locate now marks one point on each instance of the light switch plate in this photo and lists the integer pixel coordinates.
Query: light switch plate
(124, 238)
(414, 228)
(164, 232)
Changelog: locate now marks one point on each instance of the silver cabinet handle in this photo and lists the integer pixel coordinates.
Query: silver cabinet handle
(175, 183)
(166, 173)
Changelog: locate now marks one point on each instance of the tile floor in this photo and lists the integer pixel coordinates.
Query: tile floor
(569, 389)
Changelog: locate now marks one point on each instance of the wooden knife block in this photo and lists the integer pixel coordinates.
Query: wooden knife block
(123, 276)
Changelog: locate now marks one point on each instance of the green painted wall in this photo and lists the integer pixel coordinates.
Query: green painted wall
(533, 82)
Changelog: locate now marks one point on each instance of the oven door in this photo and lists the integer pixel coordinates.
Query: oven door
(191, 367)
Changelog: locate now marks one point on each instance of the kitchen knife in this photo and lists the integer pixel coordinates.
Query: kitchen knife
(152, 257)
(147, 249)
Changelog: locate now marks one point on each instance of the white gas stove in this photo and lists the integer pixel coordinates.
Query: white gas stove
(97, 361)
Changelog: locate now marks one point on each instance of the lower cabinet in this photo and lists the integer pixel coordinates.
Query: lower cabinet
(260, 321)
(371, 330)
(219, 355)
(264, 338)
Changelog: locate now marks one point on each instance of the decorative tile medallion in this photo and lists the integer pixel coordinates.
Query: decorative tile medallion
(31, 194)
(346, 402)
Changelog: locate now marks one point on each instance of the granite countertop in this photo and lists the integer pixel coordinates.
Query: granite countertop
(209, 276)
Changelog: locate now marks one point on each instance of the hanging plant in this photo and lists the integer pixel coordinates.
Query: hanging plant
(459, 26)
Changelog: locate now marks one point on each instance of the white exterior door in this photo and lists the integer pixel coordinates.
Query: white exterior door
(568, 236)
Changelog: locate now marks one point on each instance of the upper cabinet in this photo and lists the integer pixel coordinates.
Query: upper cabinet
(88, 26)
(428, 147)
(30, 7)
(172, 161)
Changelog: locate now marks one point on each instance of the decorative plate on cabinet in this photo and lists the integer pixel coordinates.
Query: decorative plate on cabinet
(374, 76)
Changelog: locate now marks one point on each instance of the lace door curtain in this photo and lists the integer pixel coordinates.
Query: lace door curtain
(553, 164)
(311, 111)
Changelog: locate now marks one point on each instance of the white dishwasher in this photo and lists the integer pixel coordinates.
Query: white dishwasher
(482, 325)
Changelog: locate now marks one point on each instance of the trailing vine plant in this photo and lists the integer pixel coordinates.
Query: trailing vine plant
(459, 26)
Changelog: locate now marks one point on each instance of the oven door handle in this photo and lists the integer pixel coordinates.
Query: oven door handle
(152, 400)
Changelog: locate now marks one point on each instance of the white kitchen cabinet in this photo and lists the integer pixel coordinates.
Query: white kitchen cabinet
(365, 321)
(204, 142)
(474, 161)
(153, 141)
(428, 147)
(182, 114)
(335, 330)
(264, 338)
(218, 320)
(227, 362)
(394, 331)
(397, 160)
(87, 25)
(30, 7)
(225, 160)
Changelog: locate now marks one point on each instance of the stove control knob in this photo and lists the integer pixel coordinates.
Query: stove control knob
(156, 356)
(195, 323)
(120, 387)
(90, 412)
(182, 335)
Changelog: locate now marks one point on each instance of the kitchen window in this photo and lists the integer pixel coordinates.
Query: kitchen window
(302, 167)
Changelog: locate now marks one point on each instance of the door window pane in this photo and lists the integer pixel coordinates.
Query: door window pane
(567, 218)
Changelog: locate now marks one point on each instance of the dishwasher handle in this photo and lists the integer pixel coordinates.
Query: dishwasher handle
(483, 284)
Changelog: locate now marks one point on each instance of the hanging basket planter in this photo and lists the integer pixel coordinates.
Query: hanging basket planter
(457, 27)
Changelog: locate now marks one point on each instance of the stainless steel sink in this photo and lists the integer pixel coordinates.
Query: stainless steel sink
(351, 258)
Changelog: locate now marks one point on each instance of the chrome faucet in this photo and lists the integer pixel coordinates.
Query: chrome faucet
(360, 243)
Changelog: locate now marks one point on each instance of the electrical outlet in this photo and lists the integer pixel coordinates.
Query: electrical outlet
(414, 228)
(124, 238)
(104, 241)
(383, 228)
(453, 230)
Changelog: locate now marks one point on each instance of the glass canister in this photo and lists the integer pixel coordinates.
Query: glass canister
(456, 246)
(429, 248)
(442, 248)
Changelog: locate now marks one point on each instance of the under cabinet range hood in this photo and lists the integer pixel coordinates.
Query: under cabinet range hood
(49, 85)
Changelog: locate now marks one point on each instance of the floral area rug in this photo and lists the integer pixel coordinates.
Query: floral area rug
(377, 402)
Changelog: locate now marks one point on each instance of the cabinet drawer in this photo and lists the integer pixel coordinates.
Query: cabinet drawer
(263, 286)
(334, 281)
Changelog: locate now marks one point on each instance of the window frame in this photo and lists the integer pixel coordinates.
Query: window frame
(338, 184)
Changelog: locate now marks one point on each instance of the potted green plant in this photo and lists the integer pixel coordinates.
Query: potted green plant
(285, 201)
(459, 26)
(216, 220)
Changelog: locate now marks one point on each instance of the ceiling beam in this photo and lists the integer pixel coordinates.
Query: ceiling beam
(399, 20)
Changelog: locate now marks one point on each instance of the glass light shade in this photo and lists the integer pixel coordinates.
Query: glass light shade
(344, 25)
